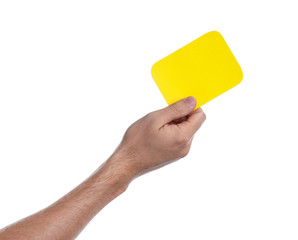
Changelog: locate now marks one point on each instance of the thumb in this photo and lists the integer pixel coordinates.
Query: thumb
(177, 110)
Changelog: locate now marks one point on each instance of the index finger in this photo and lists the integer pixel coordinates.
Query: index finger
(194, 121)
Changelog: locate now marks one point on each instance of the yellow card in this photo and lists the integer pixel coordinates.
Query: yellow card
(204, 68)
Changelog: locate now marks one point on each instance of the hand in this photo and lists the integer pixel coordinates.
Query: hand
(159, 138)
(155, 140)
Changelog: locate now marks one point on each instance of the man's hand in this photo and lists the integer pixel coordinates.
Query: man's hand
(160, 137)
(155, 140)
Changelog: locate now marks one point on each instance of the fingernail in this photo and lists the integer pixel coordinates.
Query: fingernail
(191, 101)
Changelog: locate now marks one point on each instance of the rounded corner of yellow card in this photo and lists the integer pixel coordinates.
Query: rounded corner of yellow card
(241, 75)
(204, 68)
(153, 70)
(215, 33)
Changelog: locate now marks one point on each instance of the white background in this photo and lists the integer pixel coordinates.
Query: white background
(75, 74)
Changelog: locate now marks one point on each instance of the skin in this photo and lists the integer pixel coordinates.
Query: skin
(159, 138)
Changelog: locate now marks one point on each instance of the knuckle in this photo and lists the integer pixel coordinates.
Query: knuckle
(174, 108)
(150, 117)
(182, 139)
(184, 152)
(204, 116)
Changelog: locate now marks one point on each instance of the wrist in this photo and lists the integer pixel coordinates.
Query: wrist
(116, 172)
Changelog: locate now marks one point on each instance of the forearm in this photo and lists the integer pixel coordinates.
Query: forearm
(153, 141)
(66, 218)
